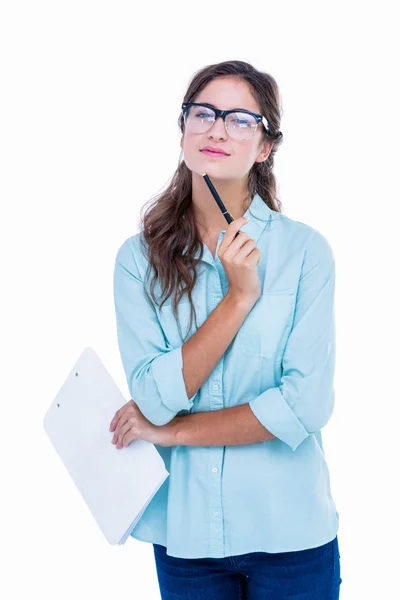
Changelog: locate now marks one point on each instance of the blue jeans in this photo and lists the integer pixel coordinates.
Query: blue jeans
(311, 574)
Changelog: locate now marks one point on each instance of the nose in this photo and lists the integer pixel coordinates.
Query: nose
(218, 129)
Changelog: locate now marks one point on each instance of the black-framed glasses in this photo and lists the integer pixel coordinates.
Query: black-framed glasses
(240, 124)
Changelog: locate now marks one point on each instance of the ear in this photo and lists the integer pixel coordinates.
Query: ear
(264, 152)
(181, 143)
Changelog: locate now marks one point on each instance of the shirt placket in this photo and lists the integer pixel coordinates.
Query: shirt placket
(216, 402)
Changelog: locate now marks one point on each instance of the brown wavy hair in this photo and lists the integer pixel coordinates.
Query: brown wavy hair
(169, 226)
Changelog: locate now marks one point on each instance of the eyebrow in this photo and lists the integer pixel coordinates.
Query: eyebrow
(213, 106)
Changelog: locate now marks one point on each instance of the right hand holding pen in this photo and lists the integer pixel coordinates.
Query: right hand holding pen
(239, 257)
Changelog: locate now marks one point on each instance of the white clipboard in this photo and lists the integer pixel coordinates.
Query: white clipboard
(116, 484)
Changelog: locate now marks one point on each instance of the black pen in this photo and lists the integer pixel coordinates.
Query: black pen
(218, 200)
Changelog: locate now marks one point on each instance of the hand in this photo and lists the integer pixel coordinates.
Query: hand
(130, 424)
(239, 257)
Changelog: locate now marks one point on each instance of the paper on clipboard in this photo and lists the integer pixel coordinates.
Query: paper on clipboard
(116, 484)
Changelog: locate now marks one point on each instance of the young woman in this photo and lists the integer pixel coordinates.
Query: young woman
(236, 406)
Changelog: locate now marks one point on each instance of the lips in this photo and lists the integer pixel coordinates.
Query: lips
(210, 152)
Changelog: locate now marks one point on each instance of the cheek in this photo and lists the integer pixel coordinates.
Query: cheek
(188, 145)
(190, 152)
(250, 153)
(244, 155)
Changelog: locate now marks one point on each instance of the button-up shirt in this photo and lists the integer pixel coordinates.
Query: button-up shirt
(271, 496)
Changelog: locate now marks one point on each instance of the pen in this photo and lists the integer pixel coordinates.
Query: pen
(218, 200)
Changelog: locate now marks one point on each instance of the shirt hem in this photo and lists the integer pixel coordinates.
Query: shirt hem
(247, 550)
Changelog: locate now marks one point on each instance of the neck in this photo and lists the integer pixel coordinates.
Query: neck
(207, 213)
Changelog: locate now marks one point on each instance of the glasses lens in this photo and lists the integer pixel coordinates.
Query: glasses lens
(199, 118)
(241, 125)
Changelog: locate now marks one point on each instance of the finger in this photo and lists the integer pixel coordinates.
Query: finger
(253, 258)
(232, 230)
(128, 438)
(129, 423)
(241, 253)
(237, 245)
(118, 414)
(121, 422)
(123, 431)
(116, 417)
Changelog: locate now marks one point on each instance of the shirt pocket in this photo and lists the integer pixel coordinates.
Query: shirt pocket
(266, 328)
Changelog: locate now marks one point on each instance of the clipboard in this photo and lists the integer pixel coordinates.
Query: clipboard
(116, 484)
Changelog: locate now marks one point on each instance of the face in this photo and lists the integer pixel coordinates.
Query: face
(225, 93)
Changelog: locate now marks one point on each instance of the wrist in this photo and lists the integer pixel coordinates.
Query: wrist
(239, 302)
(168, 433)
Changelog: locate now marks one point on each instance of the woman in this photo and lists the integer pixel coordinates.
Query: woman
(236, 407)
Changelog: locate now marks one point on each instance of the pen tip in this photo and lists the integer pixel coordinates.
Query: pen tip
(204, 174)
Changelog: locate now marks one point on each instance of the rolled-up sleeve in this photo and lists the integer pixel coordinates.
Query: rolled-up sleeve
(152, 367)
(303, 402)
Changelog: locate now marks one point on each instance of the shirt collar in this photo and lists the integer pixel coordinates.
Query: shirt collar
(258, 213)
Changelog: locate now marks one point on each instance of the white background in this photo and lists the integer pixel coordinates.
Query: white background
(82, 149)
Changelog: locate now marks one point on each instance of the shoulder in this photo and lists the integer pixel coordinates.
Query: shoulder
(131, 256)
(306, 239)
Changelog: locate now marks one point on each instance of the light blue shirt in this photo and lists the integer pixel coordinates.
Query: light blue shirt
(272, 496)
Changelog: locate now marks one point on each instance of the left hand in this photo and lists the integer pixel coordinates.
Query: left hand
(130, 424)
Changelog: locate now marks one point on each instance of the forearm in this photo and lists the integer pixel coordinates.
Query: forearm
(234, 426)
(202, 352)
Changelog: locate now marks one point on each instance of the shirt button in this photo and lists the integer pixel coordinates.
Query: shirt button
(216, 513)
(215, 469)
(215, 387)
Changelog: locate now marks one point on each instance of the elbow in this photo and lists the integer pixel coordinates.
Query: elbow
(318, 413)
(158, 388)
(159, 418)
(152, 409)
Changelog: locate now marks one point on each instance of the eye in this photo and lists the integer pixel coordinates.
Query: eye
(202, 115)
(242, 121)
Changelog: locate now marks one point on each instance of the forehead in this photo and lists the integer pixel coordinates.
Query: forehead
(226, 93)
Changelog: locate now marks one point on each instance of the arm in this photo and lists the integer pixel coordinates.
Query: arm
(233, 426)
(303, 401)
(205, 348)
(162, 380)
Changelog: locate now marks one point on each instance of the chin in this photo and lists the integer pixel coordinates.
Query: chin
(212, 168)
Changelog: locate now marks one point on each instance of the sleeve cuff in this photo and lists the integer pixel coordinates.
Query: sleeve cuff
(168, 376)
(272, 410)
